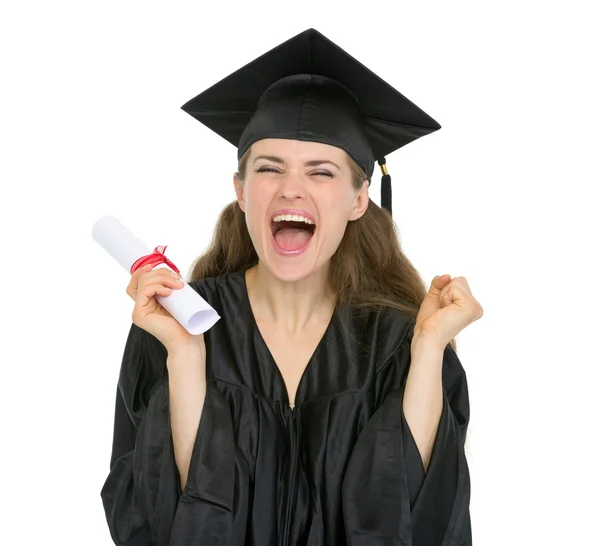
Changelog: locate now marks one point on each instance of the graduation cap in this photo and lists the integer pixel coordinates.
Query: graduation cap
(308, 88)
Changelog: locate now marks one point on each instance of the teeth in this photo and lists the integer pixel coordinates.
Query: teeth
(292, 218)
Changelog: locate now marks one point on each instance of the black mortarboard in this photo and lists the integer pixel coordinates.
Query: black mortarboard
(308, 88)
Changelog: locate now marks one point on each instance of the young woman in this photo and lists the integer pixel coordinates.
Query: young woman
(327, 406)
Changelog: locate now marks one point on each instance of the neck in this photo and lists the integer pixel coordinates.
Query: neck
(290, 306)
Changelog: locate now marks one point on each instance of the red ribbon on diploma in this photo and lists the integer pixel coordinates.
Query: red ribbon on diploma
(157, 257)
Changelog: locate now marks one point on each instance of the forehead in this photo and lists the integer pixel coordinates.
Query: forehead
(301, 150)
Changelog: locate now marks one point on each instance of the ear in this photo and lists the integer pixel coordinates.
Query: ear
(361, 201)
(239, 190)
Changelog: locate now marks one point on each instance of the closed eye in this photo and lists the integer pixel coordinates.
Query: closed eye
(326, 174)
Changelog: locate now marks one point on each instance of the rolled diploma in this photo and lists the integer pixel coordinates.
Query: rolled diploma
(185, 304)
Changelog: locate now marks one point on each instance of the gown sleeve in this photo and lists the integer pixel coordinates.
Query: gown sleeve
(142, 497)
(141, 492)
(387, 497)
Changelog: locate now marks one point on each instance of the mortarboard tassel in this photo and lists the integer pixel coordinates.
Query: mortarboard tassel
(386, 187)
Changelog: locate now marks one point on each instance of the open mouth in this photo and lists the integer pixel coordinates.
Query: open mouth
(290, 235)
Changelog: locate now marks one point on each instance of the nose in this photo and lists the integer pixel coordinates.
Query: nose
(292, 186)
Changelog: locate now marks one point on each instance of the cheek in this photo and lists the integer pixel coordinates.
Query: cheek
(334, 227)
(335, 212)
(337, 204)
(256, 205)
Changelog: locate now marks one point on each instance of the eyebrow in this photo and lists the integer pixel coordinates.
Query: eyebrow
(312, 163)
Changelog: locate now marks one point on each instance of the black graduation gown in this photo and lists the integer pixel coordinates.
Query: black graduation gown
(340, 468)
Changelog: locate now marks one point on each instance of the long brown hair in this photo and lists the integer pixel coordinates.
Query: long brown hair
(369, 270)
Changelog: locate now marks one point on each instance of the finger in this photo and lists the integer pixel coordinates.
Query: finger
(163, 281)
(141, 271)
(146, 276)
(170, 273)
(452, 292)
(132, 287)
(457, 294)
(448, 294)
(438, 283)
(148, 291)
(168, 279)
(462, 282)
(161, 273)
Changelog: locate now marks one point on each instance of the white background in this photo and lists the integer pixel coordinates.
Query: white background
(503, 195)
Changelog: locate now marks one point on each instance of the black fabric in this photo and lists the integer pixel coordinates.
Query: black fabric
(341, 468)
(389, 120)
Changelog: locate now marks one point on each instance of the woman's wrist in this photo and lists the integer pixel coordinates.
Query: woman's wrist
(423, 343)
(190, 349)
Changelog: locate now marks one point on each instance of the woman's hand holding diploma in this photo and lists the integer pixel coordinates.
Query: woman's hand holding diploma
(186, 306)
(149, 314)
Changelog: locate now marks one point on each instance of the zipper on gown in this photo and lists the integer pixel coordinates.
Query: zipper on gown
(290, 499)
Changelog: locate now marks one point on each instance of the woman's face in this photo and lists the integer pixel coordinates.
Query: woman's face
(298, 198)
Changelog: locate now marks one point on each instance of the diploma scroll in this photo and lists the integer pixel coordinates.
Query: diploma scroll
(185, 304)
